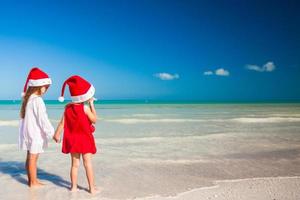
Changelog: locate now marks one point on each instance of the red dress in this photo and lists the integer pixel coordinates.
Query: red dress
(78, 131)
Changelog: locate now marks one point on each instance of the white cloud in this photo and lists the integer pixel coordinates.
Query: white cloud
(268, 67)
(222, 72)
(254, 68)
(208, 73)
(217, 72)
(166, 76)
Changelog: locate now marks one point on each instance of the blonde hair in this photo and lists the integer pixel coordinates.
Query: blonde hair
(28, 93)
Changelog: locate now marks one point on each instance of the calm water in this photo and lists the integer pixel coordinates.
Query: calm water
(136, 119)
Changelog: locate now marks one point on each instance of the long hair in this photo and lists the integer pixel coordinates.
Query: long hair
(28, 93)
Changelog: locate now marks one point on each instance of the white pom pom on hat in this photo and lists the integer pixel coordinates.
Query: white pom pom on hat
(61, 99)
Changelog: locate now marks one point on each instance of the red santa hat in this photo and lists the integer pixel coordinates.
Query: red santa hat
(36, 77)
(80, 89)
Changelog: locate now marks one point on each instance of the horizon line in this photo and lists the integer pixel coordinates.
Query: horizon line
(140, 100)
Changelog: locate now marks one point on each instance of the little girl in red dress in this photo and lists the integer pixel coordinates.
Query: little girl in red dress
(77, 123)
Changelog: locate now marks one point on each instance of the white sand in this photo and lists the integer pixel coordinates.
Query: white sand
(272, 188)
(277, 188)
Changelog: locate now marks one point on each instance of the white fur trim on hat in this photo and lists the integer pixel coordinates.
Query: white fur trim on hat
(39, 82)
(61, 99)
(82, 98)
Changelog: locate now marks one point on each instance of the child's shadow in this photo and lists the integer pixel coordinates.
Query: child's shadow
(17, 171)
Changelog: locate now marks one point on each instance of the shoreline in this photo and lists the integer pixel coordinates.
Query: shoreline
(259, 188)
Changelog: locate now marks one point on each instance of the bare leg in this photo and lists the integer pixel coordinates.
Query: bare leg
(87, 161)
(27, 167)
(32, 170)
(75, 158)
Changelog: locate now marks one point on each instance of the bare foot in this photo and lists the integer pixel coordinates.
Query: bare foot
(94, 190)
(36, 184)
(73, 189)
(41, 183)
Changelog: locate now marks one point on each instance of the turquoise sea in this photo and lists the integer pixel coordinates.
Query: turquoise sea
(162, 148)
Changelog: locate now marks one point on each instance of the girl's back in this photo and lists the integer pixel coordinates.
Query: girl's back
(35, 127)
(78, 129)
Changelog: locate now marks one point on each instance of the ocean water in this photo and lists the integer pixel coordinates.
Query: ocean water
(161, 148)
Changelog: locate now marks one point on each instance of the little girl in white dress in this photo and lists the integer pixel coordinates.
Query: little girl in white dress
(35, 127)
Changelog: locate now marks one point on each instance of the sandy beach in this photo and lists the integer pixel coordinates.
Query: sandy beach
(273, 188)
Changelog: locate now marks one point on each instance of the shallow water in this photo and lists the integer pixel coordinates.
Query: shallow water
(149, 149)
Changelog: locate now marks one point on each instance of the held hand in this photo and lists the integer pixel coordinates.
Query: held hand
(56, 138)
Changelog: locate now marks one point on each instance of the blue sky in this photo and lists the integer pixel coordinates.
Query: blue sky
(148, 49)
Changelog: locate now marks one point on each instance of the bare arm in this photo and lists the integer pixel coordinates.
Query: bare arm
(90, 111)
(59, 129)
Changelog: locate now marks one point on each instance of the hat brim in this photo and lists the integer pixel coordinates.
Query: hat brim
(39, 82)
(82, 98)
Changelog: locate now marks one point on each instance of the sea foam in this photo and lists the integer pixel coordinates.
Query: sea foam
(13, 123)
(164, 120)
(266, 119)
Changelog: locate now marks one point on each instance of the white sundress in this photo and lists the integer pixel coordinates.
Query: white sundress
(35, 128)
